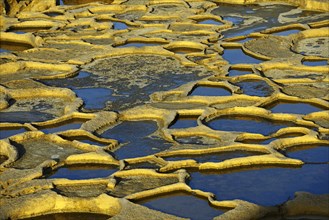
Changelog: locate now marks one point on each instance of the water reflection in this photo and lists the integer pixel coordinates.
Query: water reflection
(184, 122)
(269, 187)
(135, 139)
(247, 124)
(7, 132)
(183, 205)
(310, 154)
(236, 55)
(210, 91)
(83, 172)
(255, 88)
(294, 108)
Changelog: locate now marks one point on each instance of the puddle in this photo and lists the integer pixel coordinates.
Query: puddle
(53, 14)
(183, 205)
(23, 30)
(132, 78)
(236, 55)
(247, 124)
(13, 46)
(294, 108)
(144, 165)
(25, 116)
(83, 172)
(268, 17)
(94, 98)
(233, 72)
(243, 40)
(70, 216)
(235, 20)
(255, 88)
(210, 21)
(268, 186)
(210, 91)
(310, 154)
(4, 51)
(133, 135)
(67, 125)
(184, 50)
(7, 132)
(315, 63)
(119, 25)
(215, 157)
(138, 44)
(287, 32)
(184, 122)
(86, 140)
(83, 74)
(244, 31)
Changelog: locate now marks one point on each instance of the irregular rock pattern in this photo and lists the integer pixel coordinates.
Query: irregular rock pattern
(108, 106)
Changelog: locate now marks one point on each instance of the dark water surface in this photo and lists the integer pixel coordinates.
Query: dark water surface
(7, 132)
(183, 205)
(294, 108)
(83, 172)
(310, 154)
(210, 91)
(135, 139)
(245, 124)
(215, 157)
(255, 88)
(268, 186)
(184, 122)
(70, 216)
(236, 55)
(67, 125)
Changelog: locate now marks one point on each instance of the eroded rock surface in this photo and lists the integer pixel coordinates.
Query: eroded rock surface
(109, 109)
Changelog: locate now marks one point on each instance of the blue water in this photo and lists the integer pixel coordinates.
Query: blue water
(295, 108)
(235, 20)
(243, 31)
(72, 124)
(236, 55)
(4, 51)
(210, 21)
(214, 157)
(119, 25)
(76, 173)
(310, 154)
(183, 205)
(83, 74)
(316, 63)
(250, 125)
(255, 88)
(210, 91)
(238, 72)
(95, 98)
(287, 32)
(269, 187)
(25, 116)
(134, 137)
(87, 140)
(7, 132)
(184, 122)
